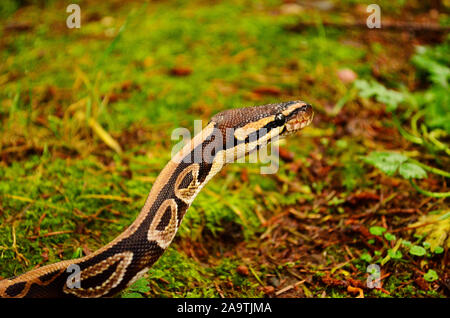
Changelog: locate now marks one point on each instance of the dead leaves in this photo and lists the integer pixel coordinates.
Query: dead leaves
(180, 71)
(352, 286)
(267, 91)
(285, 154)
(361, 197)
(18, 26)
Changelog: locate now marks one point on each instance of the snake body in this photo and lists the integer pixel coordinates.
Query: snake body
(104, 273)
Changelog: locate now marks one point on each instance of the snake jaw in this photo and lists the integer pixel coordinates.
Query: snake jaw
(297, 125)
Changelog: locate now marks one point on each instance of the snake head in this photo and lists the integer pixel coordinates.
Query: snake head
(297, 116)
(238, 132)
(272, 120)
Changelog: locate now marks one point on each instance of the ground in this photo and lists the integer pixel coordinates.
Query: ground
(87, 115)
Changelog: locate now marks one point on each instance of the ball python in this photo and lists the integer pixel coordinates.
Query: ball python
(229, 135)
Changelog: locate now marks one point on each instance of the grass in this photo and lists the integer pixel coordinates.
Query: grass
(139, 70)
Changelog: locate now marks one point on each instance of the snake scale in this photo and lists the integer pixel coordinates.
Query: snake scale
(229, 135)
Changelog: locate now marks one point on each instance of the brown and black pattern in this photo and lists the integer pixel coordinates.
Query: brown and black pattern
(118, 264)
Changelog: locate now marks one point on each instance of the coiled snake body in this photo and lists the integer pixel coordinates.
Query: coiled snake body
(229, 135)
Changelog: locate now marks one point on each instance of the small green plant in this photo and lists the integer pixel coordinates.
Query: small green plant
(431, 276)
(432, 104)
(406, 244)
(395, 254)
(392, 162)
(366, 257)
(137, 290)
(377, 230)
(417, 250)
(438, 250)
(368, 89)
(428, 114)
(390, 237)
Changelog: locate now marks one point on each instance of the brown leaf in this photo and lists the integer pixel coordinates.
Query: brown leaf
(363, 196)
(268, 290)
(128, 86)
(49, 94)
(244, 175)
(127, 174)
(115, 97)
(356, 283)
(18, 26)
(93, 17)
(267, 90)
(420, 281)
(44, 255)
(329, 281)
(285, 154)
(180, 71)
(364, 231)
(320, 169)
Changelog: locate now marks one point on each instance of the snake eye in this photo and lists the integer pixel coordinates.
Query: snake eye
(280, 119)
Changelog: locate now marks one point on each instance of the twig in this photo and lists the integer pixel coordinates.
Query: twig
(219, 290)
(289, 287)
(51, 234)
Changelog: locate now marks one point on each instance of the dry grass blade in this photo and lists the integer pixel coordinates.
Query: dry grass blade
(105, 136)
(106, 197)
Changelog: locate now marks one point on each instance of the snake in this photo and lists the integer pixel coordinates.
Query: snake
(229, 135)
